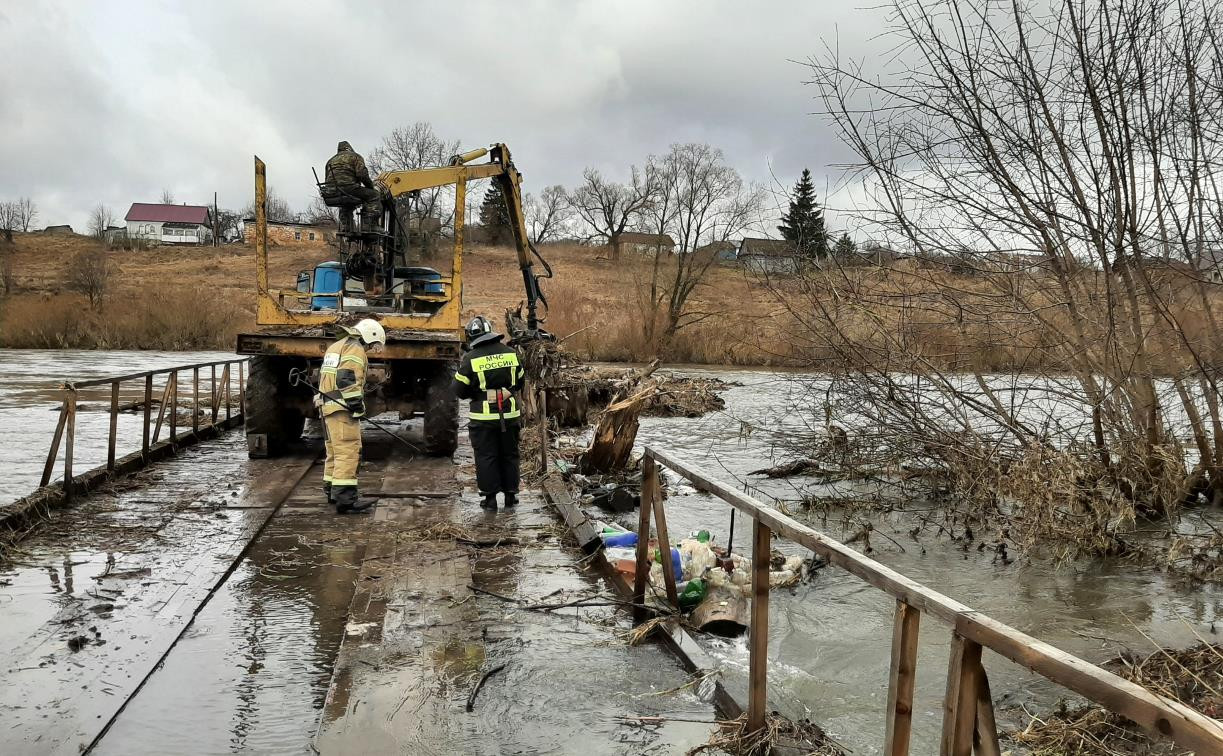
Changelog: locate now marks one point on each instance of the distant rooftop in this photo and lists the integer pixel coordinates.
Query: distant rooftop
(147, 212)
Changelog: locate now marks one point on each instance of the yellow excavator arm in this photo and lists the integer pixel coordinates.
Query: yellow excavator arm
(500, 168)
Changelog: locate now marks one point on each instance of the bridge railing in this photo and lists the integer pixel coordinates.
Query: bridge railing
(225, 390)
(968, 714)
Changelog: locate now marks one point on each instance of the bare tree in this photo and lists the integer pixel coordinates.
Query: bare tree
(10, 219)
(167, 197)
(229, 225)
(100, 219)
(89, 273)
(547, 214)
(610, 208)
(412, 147)
(699, 200)
(278, 208)
(27, 213)
(1043, 167)
(319, 212)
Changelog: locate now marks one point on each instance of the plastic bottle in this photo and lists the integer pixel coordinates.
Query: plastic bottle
(676, 560)
(619, 539)
(693, 594)
(701, 535)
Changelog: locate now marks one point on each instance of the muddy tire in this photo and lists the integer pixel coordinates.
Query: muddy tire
(441, 422)
(271, 426)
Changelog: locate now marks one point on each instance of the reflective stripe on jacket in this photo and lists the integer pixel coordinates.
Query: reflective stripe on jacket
(484, 373)
(342, 376)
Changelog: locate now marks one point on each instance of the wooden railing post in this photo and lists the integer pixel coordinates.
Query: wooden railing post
(242, 386)
(49, 467)
(195, 400)
(148, 409)
(174, 406)
(649, 481)
(216, 396)
(642, 576)
(165, 404)
(70, 429)
(986, 740)
(960, 703)
(758, 641)
(114, 426)
(541, 406)
(901, 680)
(226, 379)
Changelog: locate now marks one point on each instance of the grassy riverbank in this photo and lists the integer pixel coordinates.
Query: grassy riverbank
(200, 297)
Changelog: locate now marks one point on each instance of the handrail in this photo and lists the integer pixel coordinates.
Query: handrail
(968, 709)
(220, 390)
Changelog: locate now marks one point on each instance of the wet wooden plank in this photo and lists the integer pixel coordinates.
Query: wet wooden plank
(411, 642)
(681, 643)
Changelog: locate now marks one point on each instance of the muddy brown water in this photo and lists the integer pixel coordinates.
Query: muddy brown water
(251, 673)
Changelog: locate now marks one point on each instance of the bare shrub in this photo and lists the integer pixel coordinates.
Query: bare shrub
(88, 273)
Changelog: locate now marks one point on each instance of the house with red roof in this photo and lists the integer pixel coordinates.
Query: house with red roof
(169, 224)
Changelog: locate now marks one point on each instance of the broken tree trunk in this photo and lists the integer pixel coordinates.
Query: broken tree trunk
(616, 431)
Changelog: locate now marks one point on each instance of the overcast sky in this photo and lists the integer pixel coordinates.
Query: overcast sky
(112, 102)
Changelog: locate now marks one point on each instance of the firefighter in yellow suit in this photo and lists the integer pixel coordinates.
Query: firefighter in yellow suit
(342, 402)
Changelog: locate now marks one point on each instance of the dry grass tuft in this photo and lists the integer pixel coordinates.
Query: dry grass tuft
(802, 736)
(1193, 676)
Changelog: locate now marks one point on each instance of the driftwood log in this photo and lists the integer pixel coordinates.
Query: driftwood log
(616, 431)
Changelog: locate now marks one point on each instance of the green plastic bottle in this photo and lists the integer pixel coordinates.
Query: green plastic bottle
(694, 593)
(702, 536)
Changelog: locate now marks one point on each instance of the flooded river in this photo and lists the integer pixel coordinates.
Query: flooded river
(30, 398)
(830, 640)
(829, 643)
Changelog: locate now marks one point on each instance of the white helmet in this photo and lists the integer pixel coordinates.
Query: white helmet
(369, 331)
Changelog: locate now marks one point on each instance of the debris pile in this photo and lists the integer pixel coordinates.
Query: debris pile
(1193, 676)
(779, 735)
(713, 584)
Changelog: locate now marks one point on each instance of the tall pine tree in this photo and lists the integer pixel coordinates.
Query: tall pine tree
(495, 216)
(804, 223)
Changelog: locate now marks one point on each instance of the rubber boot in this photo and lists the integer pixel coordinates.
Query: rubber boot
(327, 492)
(346, 499)
(489, 501)
(511, 499)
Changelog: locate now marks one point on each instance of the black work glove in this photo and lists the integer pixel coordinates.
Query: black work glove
(356, 406)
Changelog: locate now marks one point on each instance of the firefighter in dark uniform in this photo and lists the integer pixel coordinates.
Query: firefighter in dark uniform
(490, 376)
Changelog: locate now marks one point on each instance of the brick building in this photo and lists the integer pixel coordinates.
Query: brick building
(286, 232)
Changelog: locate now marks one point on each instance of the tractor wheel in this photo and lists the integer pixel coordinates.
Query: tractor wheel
(271, 426)
(441, 424)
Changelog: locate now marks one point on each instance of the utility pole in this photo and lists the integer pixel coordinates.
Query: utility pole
(215, 243)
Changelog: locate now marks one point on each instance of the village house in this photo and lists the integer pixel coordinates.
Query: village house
(157, 223)
(768, 256)
(289, 232)
(643, 244)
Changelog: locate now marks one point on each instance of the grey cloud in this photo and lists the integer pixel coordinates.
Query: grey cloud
(112, 102)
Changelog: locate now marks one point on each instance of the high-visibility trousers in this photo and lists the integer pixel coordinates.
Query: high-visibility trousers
(343, 449)
(496, 453)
